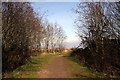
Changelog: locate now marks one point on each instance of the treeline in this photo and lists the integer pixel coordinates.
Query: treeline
(24, 31)
(98, 25)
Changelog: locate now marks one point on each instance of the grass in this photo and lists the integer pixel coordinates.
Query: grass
(30, 69)
(79, 70)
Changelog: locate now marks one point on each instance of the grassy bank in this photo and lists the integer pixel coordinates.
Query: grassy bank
(79, 70)
(30, 69)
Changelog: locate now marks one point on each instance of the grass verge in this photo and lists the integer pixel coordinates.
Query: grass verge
(79, 70)
(30, 69)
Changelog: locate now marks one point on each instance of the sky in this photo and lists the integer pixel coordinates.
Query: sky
(63, 14)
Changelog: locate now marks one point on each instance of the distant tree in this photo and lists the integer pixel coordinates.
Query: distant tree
(54, 36)
(61, 37)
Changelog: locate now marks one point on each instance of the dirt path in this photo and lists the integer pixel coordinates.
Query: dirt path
(57, 68)
(53, 66)
(62, 66)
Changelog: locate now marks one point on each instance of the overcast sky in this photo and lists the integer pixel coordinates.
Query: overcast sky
(63, 14)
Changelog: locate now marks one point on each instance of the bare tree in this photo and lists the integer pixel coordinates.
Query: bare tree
(54, 37)
(61, 37)
(98, 26)
(21, 28)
